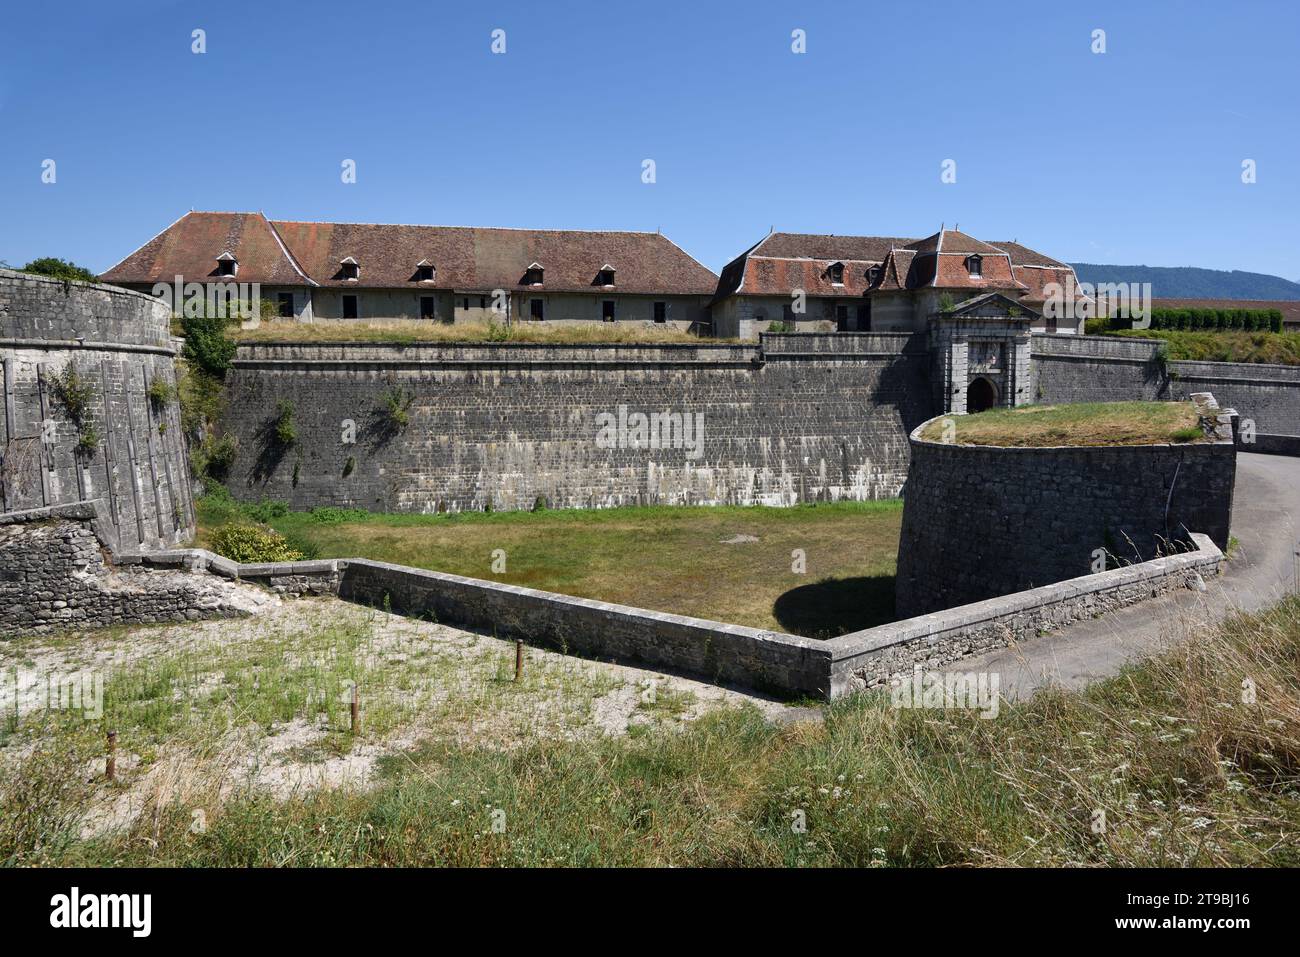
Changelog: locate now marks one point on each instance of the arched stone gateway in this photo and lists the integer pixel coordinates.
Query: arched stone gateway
(982, 394)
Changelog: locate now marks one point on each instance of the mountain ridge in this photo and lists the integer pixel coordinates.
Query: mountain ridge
(1193, 282)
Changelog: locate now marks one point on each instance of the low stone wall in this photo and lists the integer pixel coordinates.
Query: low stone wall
(55, 574)
(984, 521)
(733, 654)
(1266, 444)
(870, 658)
(783, 664)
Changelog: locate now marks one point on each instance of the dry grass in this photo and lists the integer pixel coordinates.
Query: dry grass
(413, 331)
(1275, 348)
(1192, 759)
(1083, 423)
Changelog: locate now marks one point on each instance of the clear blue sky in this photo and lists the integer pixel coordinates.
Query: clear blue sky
(1133, 156)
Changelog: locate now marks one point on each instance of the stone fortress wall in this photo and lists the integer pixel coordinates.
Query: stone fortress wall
(133, 456)
(797, 418)
(1068, 368)
(985, 521)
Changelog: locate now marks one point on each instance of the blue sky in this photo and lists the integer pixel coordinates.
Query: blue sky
(1132, 156)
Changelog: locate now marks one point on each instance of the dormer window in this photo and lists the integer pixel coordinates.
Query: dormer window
(424, 271)
(534, 275)
(606, 275)
(976, 266)
(227, 265)
(836, 273)
(873, 275)
(349, 269)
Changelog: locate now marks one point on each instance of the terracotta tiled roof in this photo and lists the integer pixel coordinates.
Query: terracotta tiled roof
(828, 248)
(766, 268)
(190, 246)
(467, 258)
(1036, 279)
(1024, 256)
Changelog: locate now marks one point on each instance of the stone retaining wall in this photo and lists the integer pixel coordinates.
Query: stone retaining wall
(119, 343)
(55, 574)
(983, 521)
(504, 425)
(1068, 368)
(870, 658)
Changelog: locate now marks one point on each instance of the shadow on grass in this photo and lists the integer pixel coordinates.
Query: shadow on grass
(836, 606)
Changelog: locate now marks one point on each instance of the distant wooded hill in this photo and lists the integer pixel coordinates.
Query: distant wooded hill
(1189, 282)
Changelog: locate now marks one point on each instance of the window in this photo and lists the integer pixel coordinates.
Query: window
(864, 317)
(482, 302)
(976, 266)
(607, 310)
(464, 304)
(836, 272)
(606, 275)
(534, 275)
(426, 307)
(537, 309)
(349, 270)
(349, 307)
(661, 311)
(286, 305)
(873, 275)
(227, 265)
(424, 272)
(1051, 323)
(842, 318)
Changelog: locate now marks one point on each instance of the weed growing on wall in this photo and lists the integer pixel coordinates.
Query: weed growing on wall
(394, 405)
(161, 393)
(75, 393)
(285, 431)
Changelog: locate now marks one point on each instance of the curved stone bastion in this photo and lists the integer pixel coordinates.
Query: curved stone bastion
(984, 521)
(90, 409)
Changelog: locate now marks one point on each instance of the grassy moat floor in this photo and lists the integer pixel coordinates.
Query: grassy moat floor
(235, 749)
(1080, 423)
(730, 564)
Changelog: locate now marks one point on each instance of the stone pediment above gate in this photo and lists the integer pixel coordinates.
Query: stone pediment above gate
(991, 305)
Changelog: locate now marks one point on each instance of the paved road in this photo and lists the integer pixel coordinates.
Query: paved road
(1266, 523)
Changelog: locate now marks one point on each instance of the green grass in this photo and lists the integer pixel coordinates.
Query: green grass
(667, 558)
(1275, 348)
(1186, 772)
(1082, 423)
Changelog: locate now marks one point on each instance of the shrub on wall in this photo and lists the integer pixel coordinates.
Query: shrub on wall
(285, 432)
(253, 543)
(57, 268)
(206, 343)
(394, 406)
